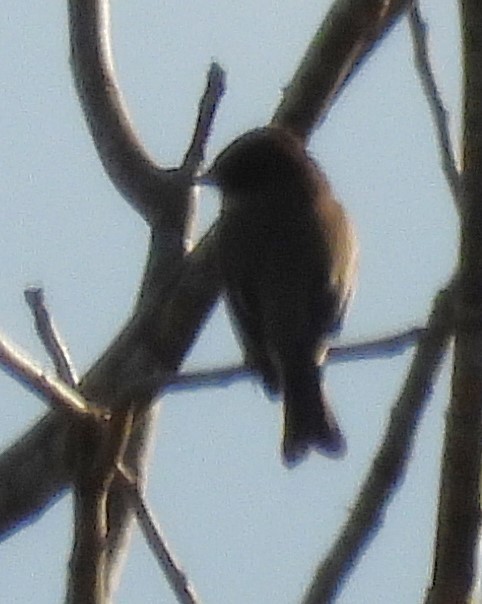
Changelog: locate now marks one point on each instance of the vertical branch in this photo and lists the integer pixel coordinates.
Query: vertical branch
(134, 368)
(459, 499)
(87, 566)
(418, 29)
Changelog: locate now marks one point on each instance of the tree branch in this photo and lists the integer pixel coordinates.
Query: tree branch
(390, 463)
(418, 29)
(50, 337)
(61, 396)
(458, 530)
(382, 347)
(348, 34)
(176, 578)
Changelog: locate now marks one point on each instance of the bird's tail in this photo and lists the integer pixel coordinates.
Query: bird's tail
(309, 420)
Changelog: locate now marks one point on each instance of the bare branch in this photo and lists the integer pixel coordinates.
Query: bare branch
(137, 365)
(388, 345)
(87, 567)
(110, 377)
(86, 581)
(175, 576)
(34, 473)
(215, 88)
(132, 171)
(50, 337)
(418, 29)
(96, 466)
(54, 391)
(390, 463)
(456, 565)
(383, 347)
(347, 35)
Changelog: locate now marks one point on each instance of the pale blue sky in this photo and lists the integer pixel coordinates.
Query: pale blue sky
(245, 528)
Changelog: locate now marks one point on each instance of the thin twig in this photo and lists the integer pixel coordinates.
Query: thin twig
(56, 392)
(391, 460)
(383, 347)
(418, 29)
(177, 579)
(50, 337)
(215, 87)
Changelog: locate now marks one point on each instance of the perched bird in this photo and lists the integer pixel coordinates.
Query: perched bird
(288, 260)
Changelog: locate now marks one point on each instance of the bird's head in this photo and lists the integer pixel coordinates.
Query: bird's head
(262, 158)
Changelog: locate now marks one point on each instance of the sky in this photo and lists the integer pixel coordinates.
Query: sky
(244, 528)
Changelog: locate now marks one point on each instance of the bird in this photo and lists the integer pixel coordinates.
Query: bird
(288, 261)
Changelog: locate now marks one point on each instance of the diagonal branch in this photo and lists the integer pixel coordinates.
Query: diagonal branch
(348, 34)
(56, 391)
(50, 337)
(418, 29)
(390, 463)
(176, 578)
